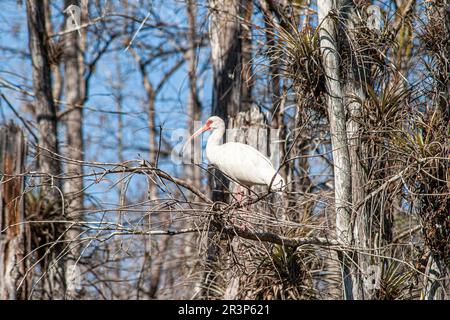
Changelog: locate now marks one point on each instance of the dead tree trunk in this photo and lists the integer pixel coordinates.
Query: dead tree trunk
(338, 129)
(12, 216)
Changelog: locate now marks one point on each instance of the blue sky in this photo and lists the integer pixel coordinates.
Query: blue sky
(118, 66)
(100, 128)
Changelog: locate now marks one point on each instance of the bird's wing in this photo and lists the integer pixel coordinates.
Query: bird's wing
(244, 146)
(245, 164)
(275, 178)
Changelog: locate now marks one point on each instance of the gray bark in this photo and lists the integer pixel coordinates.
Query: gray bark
(354, 96)
(226, 53)
(193, 173)
(57, 79)
(74, 96)
(338, 130)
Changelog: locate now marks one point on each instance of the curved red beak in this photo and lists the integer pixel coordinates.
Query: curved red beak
(206, 127)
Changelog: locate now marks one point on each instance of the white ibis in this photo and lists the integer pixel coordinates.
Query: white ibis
(238, 161)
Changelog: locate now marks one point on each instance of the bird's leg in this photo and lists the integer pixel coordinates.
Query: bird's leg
(236, 192)
(246, 224)
(239, 196)
(248, 204)
(239, 193)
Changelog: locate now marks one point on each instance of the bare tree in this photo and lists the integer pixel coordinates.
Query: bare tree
(75, 96)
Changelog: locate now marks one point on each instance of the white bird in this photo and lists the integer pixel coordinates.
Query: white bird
(238, 161)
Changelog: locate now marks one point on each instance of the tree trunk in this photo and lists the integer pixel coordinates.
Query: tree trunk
(13, 246)
(226, 55)
(354, 96)
(74, 96)
(193, 173)
(246, 11)
(47, 147)
(336, 112)
(45, 108)
(57, 79)
(194, 109)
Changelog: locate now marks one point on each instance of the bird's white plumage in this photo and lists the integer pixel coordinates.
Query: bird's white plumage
(239, 161)
(244, 164)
